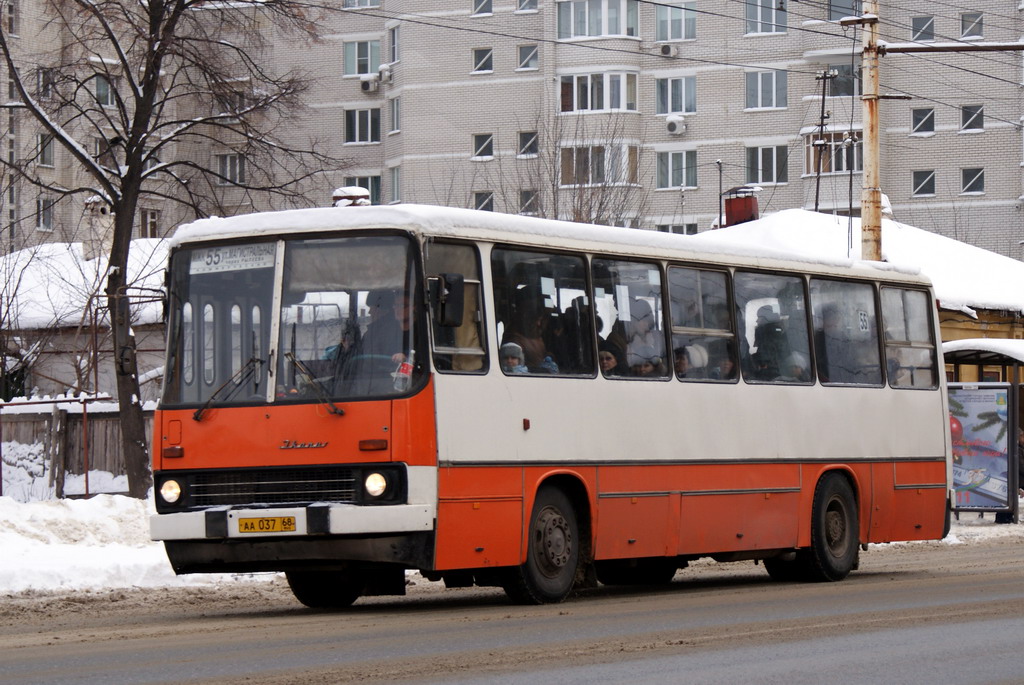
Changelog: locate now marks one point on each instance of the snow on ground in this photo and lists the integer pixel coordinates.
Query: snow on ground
(103, 542)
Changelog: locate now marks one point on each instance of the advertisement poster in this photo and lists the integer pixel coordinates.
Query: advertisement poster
(978, 419)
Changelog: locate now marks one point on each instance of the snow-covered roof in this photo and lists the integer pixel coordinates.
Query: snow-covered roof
(991, 348)
(50, 285)
(965, 278)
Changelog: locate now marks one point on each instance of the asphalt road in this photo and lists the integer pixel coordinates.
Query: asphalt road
(914, 613)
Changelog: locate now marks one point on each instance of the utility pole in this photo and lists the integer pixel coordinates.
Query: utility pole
(871, 197)
(819, 143)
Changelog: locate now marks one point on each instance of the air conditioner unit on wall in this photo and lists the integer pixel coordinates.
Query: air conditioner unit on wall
(669, 51)
(675, 124)
(369, 85)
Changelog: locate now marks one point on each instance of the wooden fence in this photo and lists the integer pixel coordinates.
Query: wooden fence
(63, 439)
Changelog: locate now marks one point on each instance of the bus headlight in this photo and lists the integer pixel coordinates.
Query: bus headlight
(170, 491)
(376, 484)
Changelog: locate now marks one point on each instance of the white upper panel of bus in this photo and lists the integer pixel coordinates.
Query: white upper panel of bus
(509, 228)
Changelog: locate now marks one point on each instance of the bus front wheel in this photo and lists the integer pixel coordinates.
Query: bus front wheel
(553, 552)
(326, 589)
(835, 535)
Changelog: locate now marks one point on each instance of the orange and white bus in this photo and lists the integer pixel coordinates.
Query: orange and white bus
(355, 392)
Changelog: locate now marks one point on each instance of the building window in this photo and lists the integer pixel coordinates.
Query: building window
(362, 57)
(972, 118)
(923, 183)
(482, 7)
(45, 143)
(528, 144)
(599, 164)
(370, 183)
(767, 164)
(44, 213)
(676, 23)
(12, 17)
(348, 4)
(837, 9)
(766, 16)
(104, 91)
(483, 146)
(230, 169)
(592, 92)
(846, 82)
(837, 153)
(577, 18)
(395, 107)
(677, 169)
(526, 5)
(676, 95)
(483, 60)
(528, 57)
(393, 43)
(149, 223)
(529, 202)
(972, 180)
(45, 83)
(766, 89)
(922, 121)
(362, 125)
(396, 183)
(922, 29)
(970, 25)
(484, 201)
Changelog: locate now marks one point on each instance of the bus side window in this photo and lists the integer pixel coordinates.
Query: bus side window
(460, 349)
(909, 341)
(845, 332)
(631, 311)
(703, 342)
(543, 308)
(771, 315)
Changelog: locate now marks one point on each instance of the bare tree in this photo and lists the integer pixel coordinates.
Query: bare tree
(137, 93)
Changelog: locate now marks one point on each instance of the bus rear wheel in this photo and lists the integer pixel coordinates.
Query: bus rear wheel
(835, 534)
(553, 552)
(326, 589)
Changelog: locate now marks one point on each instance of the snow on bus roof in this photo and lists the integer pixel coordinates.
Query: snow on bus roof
(454, 222)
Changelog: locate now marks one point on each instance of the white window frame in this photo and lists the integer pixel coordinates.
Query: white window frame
(972, 181)
(849, 8)
(675, 23)
(359, 4)
(44, 213)
(529, 202)
(370, 183)
(45, 146)
(765, 17)
(149, 223)
(836, 152)
(483, 7)
(773, 172)
(919, 179)
(103, 89)
(231, 168)
(769, 89)
(676, 169)
(359, 126)
(483, 146)
(361, 57)
(483, 200)
(483, 60)
(394, 44)
(677, 95)
(605, 165)
(395, 184)
(847, 72)
(528, 57)
(529, 145)
(12, 17)
(922, 29)
(395, 114)
(972, 118)
(972, 26)
(605, 86)
(526, 6)
(923, 124)
(578, 18)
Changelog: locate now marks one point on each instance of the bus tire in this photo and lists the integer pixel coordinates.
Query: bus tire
(552, 555)
(835, 536)
(326, 589)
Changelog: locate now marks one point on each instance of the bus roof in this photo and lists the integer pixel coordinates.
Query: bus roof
(435, 221)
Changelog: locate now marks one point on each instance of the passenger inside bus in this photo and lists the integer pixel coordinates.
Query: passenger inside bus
(512, 359)
(383, 333)
(769, 344)
(645, 341)
(527, 330)
(611, 359)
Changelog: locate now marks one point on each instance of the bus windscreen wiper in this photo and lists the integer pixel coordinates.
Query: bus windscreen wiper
(316, 385)
(240, 378)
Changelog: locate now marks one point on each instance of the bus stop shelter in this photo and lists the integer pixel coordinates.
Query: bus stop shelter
(984, 415)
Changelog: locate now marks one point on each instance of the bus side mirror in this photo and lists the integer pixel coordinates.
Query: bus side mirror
(447, 298)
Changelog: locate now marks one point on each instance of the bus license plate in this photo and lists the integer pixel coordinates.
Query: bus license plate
(267, 524)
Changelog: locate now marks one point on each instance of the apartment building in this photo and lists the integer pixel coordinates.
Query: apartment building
(640, 113)
(632, 112)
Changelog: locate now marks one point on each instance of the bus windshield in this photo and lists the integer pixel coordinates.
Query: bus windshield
(340, 327)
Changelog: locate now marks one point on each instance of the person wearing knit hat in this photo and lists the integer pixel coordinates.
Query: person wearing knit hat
(511, 356)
